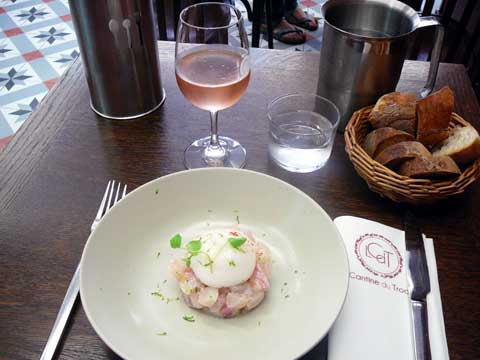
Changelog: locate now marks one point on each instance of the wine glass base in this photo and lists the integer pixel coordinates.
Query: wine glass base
(235, 154)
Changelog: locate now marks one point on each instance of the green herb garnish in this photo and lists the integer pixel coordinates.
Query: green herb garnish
(156, 191)
(163, 333)
(194, 247)
(237, 242)
(157, 293)
(209, 263)
(189, 318)
(176, 241)
(232, 263)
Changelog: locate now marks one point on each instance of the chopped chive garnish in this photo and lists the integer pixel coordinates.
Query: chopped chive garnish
(189, 318)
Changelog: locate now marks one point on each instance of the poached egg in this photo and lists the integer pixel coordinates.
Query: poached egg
(220, 264)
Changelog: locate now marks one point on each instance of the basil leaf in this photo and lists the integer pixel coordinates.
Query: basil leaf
(237, 242)
(194, 247)
(176, 241)
(188, 261)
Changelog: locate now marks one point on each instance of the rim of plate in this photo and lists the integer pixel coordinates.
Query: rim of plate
(113, 347)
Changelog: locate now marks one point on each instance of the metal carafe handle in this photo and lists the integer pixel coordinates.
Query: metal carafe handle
(428, 21)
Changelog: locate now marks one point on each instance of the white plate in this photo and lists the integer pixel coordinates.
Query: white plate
(120, 269)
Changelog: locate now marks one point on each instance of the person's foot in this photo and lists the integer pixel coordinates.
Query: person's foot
(302, 19)
(288, 34)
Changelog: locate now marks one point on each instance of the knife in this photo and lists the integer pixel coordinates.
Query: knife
(419, 286)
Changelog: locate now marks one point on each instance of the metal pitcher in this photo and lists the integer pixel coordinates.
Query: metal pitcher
(119, 52)
(364, 46)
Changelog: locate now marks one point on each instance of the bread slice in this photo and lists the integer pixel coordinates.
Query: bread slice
(396, 110)
(438, 167)
(433, 116)
(379, 139)
(396, 154)
(463, 145)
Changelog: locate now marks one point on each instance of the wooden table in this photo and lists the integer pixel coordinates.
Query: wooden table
(54, 171)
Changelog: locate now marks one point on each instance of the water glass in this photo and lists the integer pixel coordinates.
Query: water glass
(302, 131)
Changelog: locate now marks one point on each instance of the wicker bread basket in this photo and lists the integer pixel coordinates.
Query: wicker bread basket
(396, 187)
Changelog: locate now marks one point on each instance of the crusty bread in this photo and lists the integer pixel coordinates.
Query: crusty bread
(396, 110)
(433, 116)
(379, 139)
(434, 167)
(463, 145)
(396, 154)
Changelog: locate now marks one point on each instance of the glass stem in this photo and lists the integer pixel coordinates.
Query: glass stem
(214, 154)
(214, 128)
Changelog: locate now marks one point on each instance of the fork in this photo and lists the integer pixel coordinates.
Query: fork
(74, 287)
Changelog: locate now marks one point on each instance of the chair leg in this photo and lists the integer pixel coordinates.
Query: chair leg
(268, 12)
(258, 6)
(176, 15)
(249, 9)
(162, 26)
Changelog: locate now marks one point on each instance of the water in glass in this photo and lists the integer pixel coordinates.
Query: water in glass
(301, 141)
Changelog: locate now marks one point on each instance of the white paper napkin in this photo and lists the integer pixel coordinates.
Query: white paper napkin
(375, 322)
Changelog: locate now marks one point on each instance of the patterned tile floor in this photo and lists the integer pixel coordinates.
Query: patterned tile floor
(37, 44)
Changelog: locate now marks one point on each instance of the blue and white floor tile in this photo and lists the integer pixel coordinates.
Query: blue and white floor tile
(37, 44)
(17, 78)
(17, 112)
(61, 61)
(51, 35)
(8, 50)
(31, 15)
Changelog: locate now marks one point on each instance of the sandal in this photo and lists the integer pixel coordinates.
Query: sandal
(304, 23)
(280, 36)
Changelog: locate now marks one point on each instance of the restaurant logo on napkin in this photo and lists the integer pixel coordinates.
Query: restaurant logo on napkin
(378, 255)
(375, 322)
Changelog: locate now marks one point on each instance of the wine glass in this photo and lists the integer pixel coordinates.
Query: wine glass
(212, 70)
